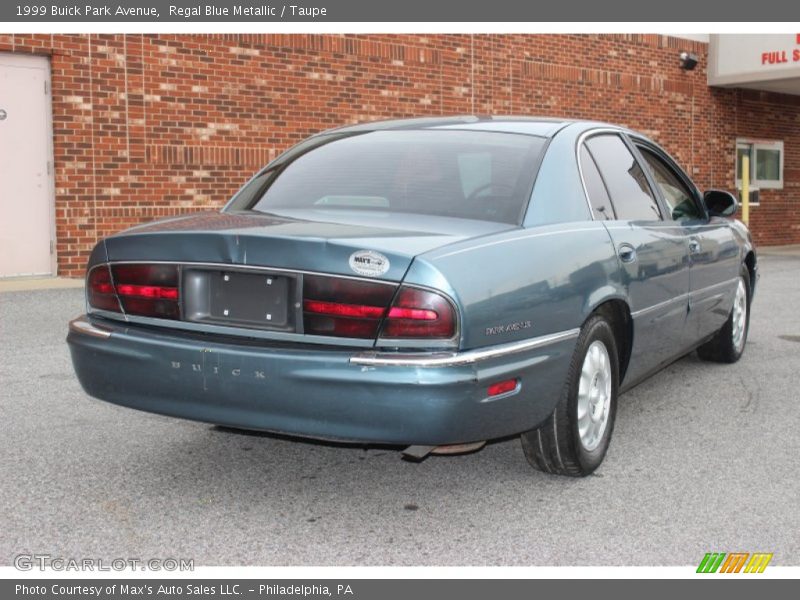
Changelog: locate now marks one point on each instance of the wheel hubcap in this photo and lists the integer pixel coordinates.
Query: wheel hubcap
(594, 395)
(739, 317)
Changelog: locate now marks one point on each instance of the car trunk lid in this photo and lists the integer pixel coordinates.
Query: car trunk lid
(331, 242)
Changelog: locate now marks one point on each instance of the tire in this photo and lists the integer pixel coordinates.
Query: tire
(557, 445)
(727, 345)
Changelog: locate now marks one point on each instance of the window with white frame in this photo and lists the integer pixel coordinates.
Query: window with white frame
(766, 163)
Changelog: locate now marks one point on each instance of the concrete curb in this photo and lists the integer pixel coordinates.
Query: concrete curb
(791, 250)
(39, 283)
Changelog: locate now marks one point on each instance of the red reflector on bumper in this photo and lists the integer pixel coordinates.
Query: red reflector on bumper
(502, 387)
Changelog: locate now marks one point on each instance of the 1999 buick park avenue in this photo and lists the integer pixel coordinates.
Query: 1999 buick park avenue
(427, 283)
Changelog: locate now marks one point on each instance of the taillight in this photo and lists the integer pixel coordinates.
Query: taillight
(344, 307)
(100, 289)
(148, 290)
(337, 309)
(332, 306)
(418, 313)
(351, 308)
(144, 290)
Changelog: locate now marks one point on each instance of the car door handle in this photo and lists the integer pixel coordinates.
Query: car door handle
(627, 253)
(694, 247)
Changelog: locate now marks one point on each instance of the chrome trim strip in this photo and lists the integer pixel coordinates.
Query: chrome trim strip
(714, 286)
(83, 326)
(665, 303)
(683, 297)
(455, 359)
(243, 267)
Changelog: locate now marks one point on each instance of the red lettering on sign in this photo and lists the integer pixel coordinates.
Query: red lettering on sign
(774, 58)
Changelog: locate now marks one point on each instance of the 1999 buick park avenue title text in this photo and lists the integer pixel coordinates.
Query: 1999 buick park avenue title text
(199, 10)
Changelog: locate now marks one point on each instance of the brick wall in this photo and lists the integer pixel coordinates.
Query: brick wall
(153, 125)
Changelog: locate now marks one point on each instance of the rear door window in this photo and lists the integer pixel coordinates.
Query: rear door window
(625, 179)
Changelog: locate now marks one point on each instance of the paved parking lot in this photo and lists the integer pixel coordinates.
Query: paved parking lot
(704, 457)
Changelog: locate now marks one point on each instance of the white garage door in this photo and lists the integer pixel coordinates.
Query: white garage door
(26, 189)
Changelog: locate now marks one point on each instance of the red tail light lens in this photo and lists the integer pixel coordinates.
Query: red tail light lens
(352, 308)
(343, 310)
(344, 307)
(144, 290)
(148, 290)
(100, 289)
(332, 306)
(418, 313)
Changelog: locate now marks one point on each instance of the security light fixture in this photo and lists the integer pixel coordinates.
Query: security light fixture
(688, 61)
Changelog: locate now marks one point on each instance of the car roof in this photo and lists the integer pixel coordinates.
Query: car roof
(546, 127)
(538, 126)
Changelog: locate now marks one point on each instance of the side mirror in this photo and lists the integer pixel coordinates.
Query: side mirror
(720, 204)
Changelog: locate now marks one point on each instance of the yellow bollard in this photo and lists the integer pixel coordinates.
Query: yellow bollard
(746, 189)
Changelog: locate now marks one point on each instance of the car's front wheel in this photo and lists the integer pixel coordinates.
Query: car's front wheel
(574, 440)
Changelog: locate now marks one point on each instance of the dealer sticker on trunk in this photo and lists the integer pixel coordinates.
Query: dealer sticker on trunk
(369, 263)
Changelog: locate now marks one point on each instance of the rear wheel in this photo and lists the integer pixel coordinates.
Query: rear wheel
(728, 344)
(574, 440)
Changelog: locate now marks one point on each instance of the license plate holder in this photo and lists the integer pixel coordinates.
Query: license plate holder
(233, 297)
(250, 298)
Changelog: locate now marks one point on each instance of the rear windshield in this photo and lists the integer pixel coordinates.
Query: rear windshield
(464, 174)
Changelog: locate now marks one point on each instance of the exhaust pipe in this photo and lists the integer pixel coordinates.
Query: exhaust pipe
(420, 453)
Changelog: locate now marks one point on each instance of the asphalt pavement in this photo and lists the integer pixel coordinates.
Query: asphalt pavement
(705, 457)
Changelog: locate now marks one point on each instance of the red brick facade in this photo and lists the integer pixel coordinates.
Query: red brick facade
(147, 126)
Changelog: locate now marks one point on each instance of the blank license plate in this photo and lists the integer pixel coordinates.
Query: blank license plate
(250, 298)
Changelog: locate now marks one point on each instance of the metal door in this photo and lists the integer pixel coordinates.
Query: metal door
(653, 254)
(715, 264)
(26, 189)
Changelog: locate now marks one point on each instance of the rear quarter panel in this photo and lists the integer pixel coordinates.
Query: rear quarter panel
(524, 283)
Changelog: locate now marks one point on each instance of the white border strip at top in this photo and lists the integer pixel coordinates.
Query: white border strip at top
(675, 29)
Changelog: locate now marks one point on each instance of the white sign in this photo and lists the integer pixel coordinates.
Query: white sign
(743, 59)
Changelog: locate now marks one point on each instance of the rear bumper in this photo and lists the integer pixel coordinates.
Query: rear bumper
(326, 393)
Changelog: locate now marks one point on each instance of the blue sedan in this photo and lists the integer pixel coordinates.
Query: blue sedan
(426, 283)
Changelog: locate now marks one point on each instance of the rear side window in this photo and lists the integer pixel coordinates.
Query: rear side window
(624, 178)
(595, 188)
